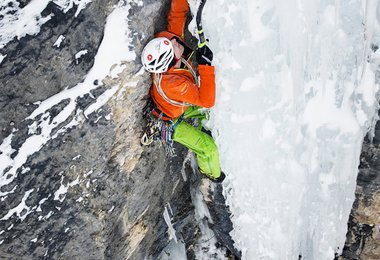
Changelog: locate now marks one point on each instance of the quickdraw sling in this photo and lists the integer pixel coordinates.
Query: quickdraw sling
(158, 129)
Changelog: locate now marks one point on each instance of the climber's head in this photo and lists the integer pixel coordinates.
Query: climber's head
(157, 55)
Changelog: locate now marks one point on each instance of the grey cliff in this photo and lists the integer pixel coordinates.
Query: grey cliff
(116, 190)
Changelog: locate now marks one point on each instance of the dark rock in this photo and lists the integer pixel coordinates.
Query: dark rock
(92, 191)
(363, 236)
(35, 70)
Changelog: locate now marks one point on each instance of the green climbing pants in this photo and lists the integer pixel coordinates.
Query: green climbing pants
(202, 144)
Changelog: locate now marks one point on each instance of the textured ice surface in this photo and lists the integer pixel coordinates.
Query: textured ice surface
(295, 96)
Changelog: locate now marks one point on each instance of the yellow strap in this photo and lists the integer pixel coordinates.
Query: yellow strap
(202, 44)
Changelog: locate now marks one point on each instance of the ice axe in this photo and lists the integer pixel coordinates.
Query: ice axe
(203, 54)
(198, 19)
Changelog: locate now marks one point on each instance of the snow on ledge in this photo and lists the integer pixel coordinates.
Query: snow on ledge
(2, 57)
(19, 22)
(19, 209)
(59, 41)
(114, 49)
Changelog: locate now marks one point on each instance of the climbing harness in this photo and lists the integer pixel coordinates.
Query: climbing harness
(157, 128)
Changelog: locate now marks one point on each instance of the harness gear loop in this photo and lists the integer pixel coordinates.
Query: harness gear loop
(152, 126)
(145, 140)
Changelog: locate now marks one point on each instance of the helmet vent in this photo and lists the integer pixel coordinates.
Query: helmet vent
(157, 55)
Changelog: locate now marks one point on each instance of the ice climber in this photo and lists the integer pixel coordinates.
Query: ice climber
(180, 98)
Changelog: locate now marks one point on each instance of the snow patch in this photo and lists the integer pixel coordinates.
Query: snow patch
(60, 194)
(18, 22)
(66, 5)
(59, 41)
(21, 210)
(2, 57)
(168, 220)
(76, 157)
(79, 54)
(102, 99)
(114, 49)
(40, 203)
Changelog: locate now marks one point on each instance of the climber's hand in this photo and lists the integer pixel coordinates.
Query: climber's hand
(204, 55)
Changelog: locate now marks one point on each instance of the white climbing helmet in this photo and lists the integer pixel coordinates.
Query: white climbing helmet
(157, 55)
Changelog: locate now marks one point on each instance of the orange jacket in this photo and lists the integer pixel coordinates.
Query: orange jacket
(179, 84)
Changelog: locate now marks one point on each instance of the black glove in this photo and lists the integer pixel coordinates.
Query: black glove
(204, 55)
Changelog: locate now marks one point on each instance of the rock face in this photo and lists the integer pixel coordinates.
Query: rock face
(92, 191)
(363, 237)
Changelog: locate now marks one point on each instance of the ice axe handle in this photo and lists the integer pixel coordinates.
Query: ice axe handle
(202, 39)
